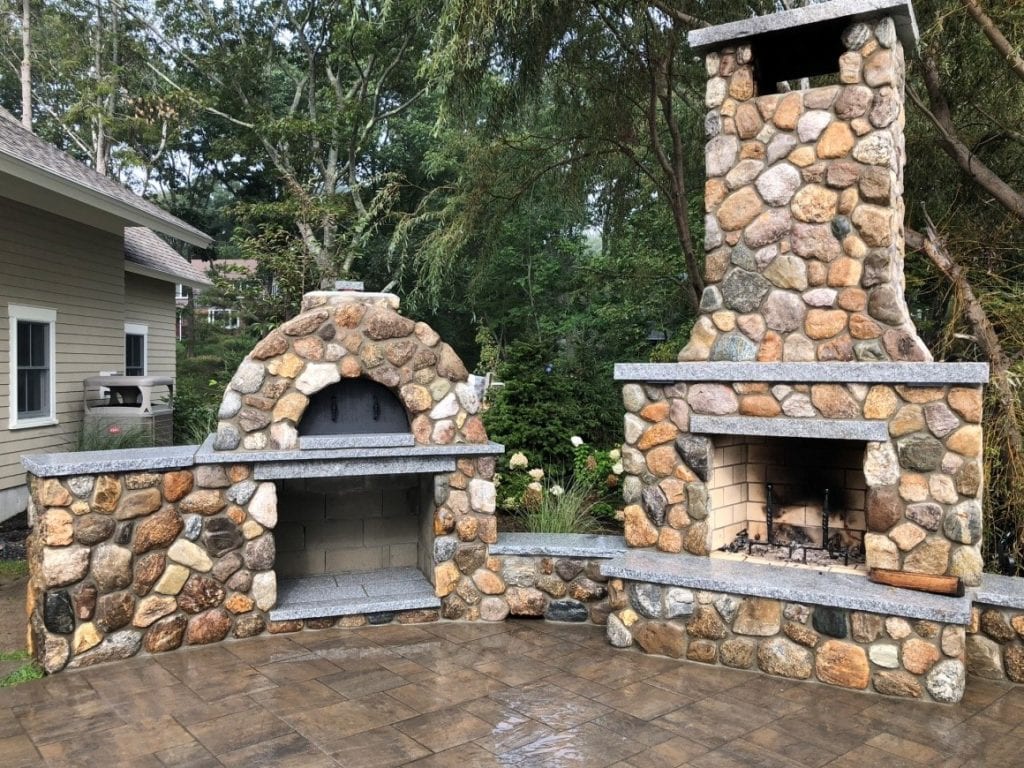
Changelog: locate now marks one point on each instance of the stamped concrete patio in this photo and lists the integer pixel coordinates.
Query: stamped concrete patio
(549, 695)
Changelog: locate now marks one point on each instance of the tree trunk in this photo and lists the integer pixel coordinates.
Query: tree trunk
(26, 65)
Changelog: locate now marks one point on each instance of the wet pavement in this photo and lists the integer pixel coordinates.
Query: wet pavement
(475, 695)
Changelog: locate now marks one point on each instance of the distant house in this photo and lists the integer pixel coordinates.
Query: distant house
(202, 312)
(86, 287)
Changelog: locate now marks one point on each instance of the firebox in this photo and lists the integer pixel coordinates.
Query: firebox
(789, 500)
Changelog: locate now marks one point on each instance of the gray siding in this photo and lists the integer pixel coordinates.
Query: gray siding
(150, 302)
(78, 271)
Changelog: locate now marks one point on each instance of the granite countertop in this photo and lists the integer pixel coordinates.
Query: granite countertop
(796, 585)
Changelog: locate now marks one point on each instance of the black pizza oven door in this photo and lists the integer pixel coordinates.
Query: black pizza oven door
(354, 407)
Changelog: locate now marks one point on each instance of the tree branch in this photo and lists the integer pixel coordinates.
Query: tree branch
(996, 37)
(954, 146)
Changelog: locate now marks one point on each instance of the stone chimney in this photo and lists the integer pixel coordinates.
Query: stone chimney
(803, 199)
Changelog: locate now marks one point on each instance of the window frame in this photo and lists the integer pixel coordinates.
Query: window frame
(137, 329)
(21, 313)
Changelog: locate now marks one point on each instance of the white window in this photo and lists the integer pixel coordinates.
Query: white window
(136, 353)
(225, 318)
(180, 291)
(33, 381)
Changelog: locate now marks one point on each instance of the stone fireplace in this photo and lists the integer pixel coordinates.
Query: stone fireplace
(804, 364)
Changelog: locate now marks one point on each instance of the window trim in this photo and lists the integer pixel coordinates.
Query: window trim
(138, 329)
(21, 312)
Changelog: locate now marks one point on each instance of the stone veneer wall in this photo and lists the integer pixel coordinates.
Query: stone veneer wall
(804, 225)
(924, 483)
(848, 649)
(995, 643)
(151, 561)
(148, 561)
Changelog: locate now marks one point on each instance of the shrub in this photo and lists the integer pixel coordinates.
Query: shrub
(96, 437)
(561, 509)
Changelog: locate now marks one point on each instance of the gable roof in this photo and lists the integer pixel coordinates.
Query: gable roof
(45, 169)
(146, 254)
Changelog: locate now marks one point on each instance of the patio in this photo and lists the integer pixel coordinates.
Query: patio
(537, 694)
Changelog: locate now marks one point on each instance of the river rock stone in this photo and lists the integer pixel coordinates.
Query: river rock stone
(842, 664)
(962, 523)
(661, 638)
(111, 567)
(525, 601)
(210, 627)
(220, 536)
(58, 615)
(618, 634)
(92, 529)
(114, 611)
(784, 311)
(759, 617)
(165, 635)
(720, 155)
(566, 610)
(677, 602)
(994, 624)
(158, 530)
(188, 554)
(743, 290)
(706, 623)
(782, 657)
(768, 228)
(778, 184)
(152, 608)
(199, 594)
(830, 621)
(920, 452)
(119, 645)
(946, 681)
(695, 450)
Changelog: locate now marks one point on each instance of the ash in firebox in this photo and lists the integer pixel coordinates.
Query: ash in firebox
(794, 545)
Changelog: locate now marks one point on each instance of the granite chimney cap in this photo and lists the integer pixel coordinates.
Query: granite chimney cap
(809, 20)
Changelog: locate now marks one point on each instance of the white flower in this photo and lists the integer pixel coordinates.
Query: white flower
(497, 479)
(576, 441)
(534, 487)
(536, 474)
(614, 454)
(617, 468)
(518, 461)
(556, 490)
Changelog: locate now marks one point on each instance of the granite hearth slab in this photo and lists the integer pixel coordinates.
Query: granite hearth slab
(797, 585)
(783, 426)
(206, 454)
(923, 374)
(1003, 591)
(346, 594)
(559, 545)
(355, 467)
(383, 440)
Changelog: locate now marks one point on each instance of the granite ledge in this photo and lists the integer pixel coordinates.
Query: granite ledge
(797, 585)
(375, 467)
(379, 440)
(1001, 591)
(100, 462)
(784, 426)
(322, 609)
(584, 545)
(922, 374)
(902, 13)
(206, 454)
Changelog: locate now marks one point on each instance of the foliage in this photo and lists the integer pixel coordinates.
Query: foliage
(14, 655)
(13, 569)
(96, 437)
(30, 671)
(559, 508)
(202, 376)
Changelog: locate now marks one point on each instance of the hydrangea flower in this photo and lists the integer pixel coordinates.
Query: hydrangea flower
(518, 461)
(556, 490)
(536, 474)
(576, 441)
(614, 454)
(534, 487)
(617, 468)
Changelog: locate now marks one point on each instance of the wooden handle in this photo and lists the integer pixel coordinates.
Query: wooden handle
(940, 585)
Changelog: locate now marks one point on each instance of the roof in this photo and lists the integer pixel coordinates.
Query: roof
(46, 169)
(146, 254)
(239, 268)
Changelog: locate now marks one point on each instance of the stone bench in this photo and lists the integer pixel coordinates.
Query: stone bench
(799, 623)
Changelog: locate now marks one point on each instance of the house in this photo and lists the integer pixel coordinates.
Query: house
(187, 297)
(87, 287)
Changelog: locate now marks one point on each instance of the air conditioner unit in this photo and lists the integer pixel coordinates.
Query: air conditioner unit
(120, 404)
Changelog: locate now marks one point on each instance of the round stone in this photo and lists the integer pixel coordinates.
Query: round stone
(815, 204)
(782, 657)
(743, 290)
(842, 664)
(778, 184)
(811, 124)
(875, 149)
(783, 311)
(720, 155)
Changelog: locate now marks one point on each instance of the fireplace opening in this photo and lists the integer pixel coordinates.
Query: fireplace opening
(354, 407)
(769, 497)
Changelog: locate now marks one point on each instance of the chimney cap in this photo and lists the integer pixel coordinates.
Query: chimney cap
(810, 16)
